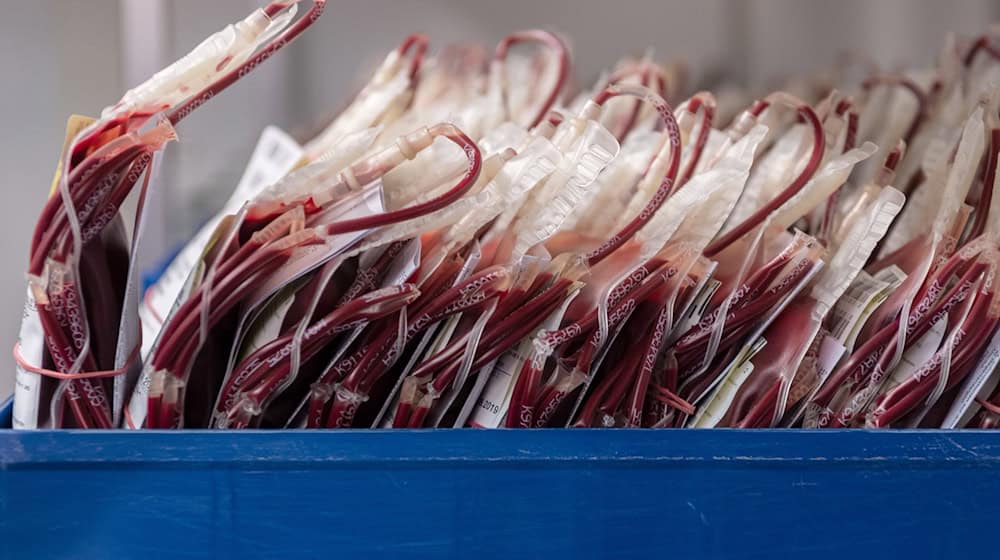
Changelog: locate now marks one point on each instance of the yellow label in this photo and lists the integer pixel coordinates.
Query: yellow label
(304, 161)
(74, 125)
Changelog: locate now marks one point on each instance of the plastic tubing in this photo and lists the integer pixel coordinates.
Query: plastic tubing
(554, 43)
(909, 85)
(806, 113)
(673, 136)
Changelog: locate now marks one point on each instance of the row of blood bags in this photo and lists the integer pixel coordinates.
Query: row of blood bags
(474, 241)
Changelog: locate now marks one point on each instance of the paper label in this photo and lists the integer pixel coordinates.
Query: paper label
(830, 352)
(274, 156)
(917, 355)
(472, 402)
(129, 329)
(495, 399)
(860, 301)
(980, 383)
(708, 416)
(27, 385)
(491, 407)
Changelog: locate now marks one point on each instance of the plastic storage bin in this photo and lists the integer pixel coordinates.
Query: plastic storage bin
(566, 494)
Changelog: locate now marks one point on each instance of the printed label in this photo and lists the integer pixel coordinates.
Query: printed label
(709, 415)
(491, 409)
(978, 384)
(830, 352)
(918, 354)
(493, 403)
(27, 385)
(860, 301)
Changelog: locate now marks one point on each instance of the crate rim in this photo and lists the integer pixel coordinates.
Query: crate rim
(282, 448)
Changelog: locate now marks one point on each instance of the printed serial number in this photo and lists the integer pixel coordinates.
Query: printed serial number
(489, 406)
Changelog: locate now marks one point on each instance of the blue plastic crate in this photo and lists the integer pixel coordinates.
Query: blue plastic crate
(561, 494)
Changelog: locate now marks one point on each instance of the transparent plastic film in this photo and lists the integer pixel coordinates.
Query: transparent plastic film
(774, 171)
(323, 169)
(850, 388)
(599, 214)
(546, 166)
(348, 149)
(649, 180)
(567, 186)
(963, 170)
(887, 124)
(100, 169)
(506, 135)
(446, 388)
(473, 239)
(360, 174)
(376, 304)
(390, 87)
(429, 380)
(214, 56)
(741, 308)
(32, 335)
(969, 152)
(151, 379)
(671, 216)
(910, 390)
(704, 206)
(510, 186)
(856, 249)
(929, 203)
(482, 196)
(545, 75)
(268, 371)
(227, 284)
(622, 116)
(827, 180)
(67, 337)
(417, 181)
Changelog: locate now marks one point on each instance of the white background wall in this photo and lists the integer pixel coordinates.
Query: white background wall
(63, 56)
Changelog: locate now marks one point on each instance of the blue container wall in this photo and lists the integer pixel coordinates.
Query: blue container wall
(573, 494)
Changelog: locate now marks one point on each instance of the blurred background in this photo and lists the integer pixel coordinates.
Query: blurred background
(60, 57)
